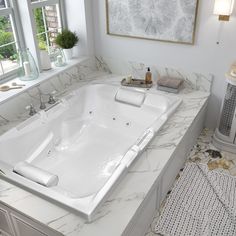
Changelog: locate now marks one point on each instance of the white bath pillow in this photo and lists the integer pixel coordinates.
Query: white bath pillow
(130, 97)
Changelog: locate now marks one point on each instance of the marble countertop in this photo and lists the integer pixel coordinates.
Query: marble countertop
(120, 207)
(45, 75)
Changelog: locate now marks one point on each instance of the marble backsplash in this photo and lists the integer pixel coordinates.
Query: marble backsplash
(193, 80)
(13, 110)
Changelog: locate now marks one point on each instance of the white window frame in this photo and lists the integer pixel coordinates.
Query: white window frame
(62, 17)
(13, 11)
(44, 3)
(16, 11)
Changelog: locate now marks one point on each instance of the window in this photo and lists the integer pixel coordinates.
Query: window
(9, 40)
(46, 21)
(47, 16)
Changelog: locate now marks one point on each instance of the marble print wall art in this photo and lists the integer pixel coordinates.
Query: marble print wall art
(164, 20)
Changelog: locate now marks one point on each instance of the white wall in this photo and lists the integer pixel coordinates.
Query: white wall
(80, 20)
(205, 56)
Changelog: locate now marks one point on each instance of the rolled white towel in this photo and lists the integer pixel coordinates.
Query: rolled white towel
(134, 98)
(36, 174)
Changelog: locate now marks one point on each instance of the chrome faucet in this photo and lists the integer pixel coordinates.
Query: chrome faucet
(31, 109)
(52, 99)
(42, 104)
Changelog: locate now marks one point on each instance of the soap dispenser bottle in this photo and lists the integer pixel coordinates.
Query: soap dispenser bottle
(148, 76)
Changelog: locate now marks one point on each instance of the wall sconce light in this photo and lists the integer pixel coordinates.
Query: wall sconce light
(224, 9)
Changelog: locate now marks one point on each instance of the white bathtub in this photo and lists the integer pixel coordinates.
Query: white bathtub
(88, 140)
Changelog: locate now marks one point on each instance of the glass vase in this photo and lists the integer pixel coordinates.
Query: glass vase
(28, 68)
(57, 57)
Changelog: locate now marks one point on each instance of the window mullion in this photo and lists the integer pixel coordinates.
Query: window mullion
(44, 3)
(7, 44)
(17, 25)
(2, 69)
(47, 31)
(62, 14)
(45, 28)
(29, 29)
(5, 11)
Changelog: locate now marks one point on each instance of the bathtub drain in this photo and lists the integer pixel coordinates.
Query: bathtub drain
(49, 152)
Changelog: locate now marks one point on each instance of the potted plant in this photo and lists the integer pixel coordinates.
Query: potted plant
(67, 40)
(44, 57)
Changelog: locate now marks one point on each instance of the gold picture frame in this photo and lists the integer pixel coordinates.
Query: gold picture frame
(191, 35)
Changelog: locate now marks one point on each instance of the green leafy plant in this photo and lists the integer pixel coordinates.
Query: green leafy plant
(14, 57)
(6, 36)
(9, 50)
(4, 23)
(66, 39)
(42, 45)
(38, 15)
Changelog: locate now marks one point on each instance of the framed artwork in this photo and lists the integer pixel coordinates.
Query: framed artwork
(162, 20)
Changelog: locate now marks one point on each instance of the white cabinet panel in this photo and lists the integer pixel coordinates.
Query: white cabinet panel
(27, 227)
(23, 228)
(13, 223)
(5, 225)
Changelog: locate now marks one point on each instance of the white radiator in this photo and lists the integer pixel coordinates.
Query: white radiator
(225, 134)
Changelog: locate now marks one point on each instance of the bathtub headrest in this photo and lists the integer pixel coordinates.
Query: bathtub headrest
(36, 174)
(131, 97)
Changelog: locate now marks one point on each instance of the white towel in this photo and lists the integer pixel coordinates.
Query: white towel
(134, 98)
(36, 174)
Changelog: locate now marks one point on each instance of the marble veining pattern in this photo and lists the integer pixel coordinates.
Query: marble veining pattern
(82, 74)
(193, 80)
(13, 111)
(126, 198)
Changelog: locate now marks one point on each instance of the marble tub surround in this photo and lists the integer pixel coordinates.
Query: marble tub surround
(203, 152)
(12, 107)
(44, 76)
(82, 71)
(61, 140)
(122, 205)
(193, 80)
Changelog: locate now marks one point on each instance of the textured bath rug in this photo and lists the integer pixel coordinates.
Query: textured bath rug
(201, 203)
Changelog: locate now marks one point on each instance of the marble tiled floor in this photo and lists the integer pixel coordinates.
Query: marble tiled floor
(202, 153)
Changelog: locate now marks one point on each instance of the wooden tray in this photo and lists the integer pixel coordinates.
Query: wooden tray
(136, 83)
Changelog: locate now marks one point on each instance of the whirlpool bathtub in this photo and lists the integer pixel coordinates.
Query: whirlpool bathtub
(87, 142)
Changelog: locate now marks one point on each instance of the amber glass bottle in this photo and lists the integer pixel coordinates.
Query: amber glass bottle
(148, 77)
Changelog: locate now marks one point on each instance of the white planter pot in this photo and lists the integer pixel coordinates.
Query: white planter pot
(45, 60)
(68, 54)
